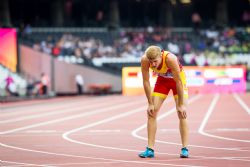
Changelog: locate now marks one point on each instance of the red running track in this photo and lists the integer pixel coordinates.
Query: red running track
(111, 131)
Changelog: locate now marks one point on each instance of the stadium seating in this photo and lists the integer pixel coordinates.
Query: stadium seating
(114, 50)
(17, 88)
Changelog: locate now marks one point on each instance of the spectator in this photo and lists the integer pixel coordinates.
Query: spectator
(10, 86)
(99, 17)
(196, 20)
(245, 18)
(79, 83)
(44, 84)
(30, 86)
(27, 29)
(56, 50)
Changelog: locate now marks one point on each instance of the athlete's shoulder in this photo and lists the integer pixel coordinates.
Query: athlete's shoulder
(168, 53)
(144, 58)
(145, 62)
(171, 60)
(170, 56)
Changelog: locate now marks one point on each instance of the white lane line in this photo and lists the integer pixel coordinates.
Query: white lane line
(229, 130)
(41, 131)
(242, 103)
(65, 135)
(241, 157)
(51, 102)
(173, 110)
(106, 159)
(115, 160)
(151, 160)
(85, 163)
(40, 102)
(21, 164)
(42, 109)
(61, 111)
(105, 109)
(88, 157)
(36, 109)
(245, 160)
(177, 159)
(34, 103)
(105, 131)
(209, 112)
(205, 120)
(95, 158)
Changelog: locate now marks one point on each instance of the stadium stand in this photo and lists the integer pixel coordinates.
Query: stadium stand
(11, 84)
(113, 51)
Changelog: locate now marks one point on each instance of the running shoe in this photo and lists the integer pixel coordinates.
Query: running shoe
(184, 153)
(148, 153)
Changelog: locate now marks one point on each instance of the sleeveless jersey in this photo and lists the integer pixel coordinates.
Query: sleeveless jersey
(163, 70)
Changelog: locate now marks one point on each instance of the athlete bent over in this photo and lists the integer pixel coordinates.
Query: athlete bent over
(171, 76)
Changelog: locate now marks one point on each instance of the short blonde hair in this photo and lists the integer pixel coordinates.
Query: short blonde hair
(153, 52)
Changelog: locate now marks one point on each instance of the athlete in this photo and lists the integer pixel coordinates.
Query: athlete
(171, 76)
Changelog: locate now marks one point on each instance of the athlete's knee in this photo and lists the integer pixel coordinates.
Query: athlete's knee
(152, 116)
(157, 109)
(180, 116)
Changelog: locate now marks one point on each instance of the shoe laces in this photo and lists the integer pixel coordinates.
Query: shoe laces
(149, 149)
(184, 149)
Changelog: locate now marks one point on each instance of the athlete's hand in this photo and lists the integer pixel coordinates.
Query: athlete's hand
(181, 112)
(151, 110)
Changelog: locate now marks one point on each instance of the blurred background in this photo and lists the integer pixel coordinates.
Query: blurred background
(72, 47)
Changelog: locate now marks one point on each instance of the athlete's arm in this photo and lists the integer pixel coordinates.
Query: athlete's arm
(173, 64)
(146, 84)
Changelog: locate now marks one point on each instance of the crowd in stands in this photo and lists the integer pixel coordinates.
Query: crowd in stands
(13, 84)
(202, 47)
(227, 46)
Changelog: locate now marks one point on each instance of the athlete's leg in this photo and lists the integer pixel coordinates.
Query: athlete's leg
(152, 122)
(183, 125)
(158, 96)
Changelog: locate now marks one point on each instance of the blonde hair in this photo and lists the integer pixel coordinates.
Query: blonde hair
(153, 52)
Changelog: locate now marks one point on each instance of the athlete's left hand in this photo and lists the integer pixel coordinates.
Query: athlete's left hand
(181, 112)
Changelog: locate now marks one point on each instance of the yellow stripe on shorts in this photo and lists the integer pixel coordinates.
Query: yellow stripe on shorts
(161, 95)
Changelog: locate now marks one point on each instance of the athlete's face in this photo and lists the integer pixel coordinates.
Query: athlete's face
(155, 62)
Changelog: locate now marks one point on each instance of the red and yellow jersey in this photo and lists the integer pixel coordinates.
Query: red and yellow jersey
(163, 70)
(165, 81)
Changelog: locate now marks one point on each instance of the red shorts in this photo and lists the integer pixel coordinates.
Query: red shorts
(164, 85)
